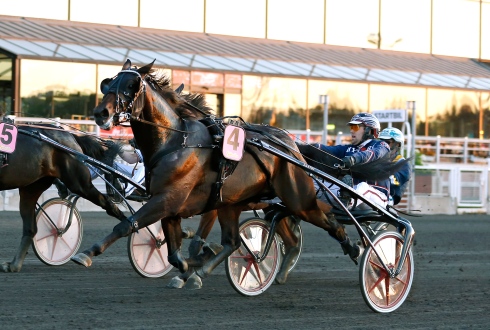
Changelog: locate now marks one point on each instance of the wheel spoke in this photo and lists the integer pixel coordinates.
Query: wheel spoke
(62, 239)
(387, 290)
(257, 270)
(383, 275)
(162, 257)
(55, 242)
(150, 254)
(53, 233)
(142, 244)
(247, 269)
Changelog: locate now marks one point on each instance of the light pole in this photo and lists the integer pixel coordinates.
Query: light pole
(411, 106)
(411, 203)
(324, 101)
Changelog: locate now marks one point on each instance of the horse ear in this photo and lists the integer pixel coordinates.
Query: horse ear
(145, 69)
(104, 85)
(127, 65)
(180, 89)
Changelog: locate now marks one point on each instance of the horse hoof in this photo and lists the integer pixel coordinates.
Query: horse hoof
(82, 259)
(281, 277)
(176, 283)
(200, 273)
(193, 282)
(188, 232)
(215, 248)
(5, 266)
(287, 261)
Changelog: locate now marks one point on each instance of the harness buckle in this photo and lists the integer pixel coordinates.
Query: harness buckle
(124, 116)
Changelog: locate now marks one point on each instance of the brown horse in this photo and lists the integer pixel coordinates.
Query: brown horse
(377, 170)
(181, 160)
(35, 164)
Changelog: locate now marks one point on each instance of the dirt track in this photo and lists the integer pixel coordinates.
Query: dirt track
(451, 287)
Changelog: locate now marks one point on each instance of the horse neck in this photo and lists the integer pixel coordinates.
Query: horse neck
(164, 121)
(158, 110)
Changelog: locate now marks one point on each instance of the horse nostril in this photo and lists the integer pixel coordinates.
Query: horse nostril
(102, 114)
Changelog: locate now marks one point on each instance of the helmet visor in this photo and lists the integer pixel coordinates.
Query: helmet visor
(355, 127)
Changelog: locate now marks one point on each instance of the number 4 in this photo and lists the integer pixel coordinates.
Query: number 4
(233, 139)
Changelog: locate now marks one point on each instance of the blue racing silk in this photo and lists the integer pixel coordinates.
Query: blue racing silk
(368, 151)
(399, 180)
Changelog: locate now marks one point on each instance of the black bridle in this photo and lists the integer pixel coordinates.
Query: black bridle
(124, 106)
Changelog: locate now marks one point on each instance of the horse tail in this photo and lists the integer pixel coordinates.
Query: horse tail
(380, 169)
(102, 150)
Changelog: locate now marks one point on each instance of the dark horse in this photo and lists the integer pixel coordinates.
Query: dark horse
(180, 158)
(376, 170)
(35, 164)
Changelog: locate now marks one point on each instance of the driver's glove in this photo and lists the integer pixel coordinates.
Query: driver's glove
(348, 161)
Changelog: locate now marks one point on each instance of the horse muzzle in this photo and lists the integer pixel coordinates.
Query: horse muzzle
(104, 123)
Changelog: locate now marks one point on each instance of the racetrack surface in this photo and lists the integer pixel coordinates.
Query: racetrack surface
(451, 288)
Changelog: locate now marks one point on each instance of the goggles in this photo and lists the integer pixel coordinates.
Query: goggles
(355, 127)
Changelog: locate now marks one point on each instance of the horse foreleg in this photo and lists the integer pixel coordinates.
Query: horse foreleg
(291, 246)
(205, 225)
(188, 278)
(122, 229)
(16, 264)
(82, 186)
(27, 206)
(173, 235)
(230, 239)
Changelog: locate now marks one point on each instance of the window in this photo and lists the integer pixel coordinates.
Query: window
(453, 113)
(345, 100)
(405, 25)
(57, 89)
(485, 31)
(116, 12)
(293, 20)
(6, 85)
(56, 9)
(279, 102)
(352, 23)
(456, 28)
(236, 18)
(182, 15)
(384, 97)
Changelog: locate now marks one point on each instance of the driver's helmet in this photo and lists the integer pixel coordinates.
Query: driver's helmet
(392, 133)
(368, 120)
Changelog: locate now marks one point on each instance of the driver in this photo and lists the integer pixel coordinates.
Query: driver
(364, 129)
(398, 181)
(137, 172)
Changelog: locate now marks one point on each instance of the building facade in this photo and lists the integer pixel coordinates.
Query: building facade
(267, 61)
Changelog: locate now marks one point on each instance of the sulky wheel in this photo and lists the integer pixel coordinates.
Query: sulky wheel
(377, 227)
(147, 250)
(58, 238)
(248, 276)
(380, 292)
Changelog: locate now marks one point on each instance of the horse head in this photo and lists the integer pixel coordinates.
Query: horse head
(123, 96)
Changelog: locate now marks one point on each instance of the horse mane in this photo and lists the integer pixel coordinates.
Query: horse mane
(102, 150)
(186, 104)
(380, 169)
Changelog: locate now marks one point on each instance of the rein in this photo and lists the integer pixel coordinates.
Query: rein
(160, 126)
(133, 110)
